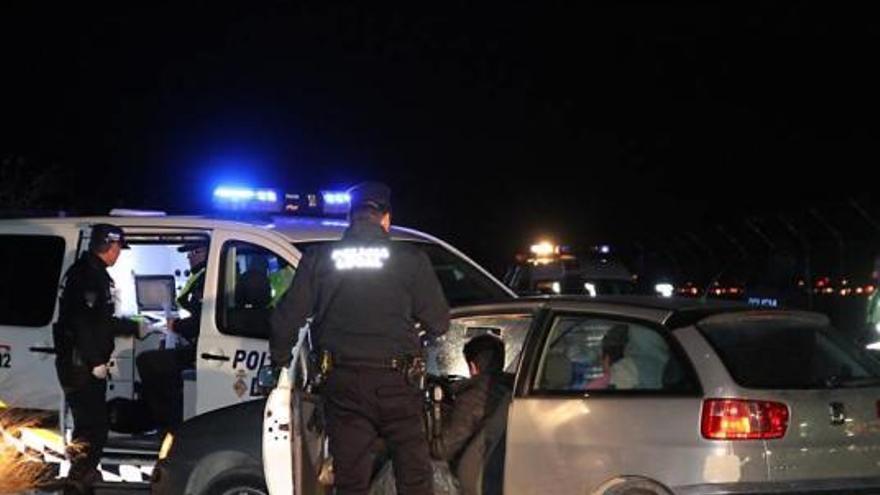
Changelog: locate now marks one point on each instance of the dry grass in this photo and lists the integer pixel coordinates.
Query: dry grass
(18, 472)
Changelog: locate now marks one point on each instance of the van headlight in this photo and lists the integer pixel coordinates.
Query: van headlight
(167, 442)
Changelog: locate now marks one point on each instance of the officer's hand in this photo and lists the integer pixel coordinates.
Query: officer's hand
(100, 372)
(144, 329)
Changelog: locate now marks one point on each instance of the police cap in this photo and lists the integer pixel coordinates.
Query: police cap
(105, 233)
(375, 195)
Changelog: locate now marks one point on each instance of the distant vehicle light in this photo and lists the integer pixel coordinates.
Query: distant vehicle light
(557, 287)
(665, 290)
(590, 288)
(543, 249)
(604, 249)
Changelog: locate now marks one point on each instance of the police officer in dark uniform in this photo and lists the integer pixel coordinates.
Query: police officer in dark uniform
(84, 342)
(160, 370)
(365, 295)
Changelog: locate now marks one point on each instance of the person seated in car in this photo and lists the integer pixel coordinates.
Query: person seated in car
(619, 372)
(475, 398)
(160, 369)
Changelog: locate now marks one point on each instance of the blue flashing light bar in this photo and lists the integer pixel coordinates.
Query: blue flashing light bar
(249, 200)
(246, 199)
(336, 202)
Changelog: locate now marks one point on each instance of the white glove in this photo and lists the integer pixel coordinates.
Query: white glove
(100, 372)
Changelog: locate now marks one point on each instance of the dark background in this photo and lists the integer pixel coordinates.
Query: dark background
(658, 127)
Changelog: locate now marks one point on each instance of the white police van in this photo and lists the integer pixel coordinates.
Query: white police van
(232, 346)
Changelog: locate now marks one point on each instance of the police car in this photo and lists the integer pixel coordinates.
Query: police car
(267, 236)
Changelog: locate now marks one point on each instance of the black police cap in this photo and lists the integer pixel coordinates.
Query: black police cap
(105, 233)
(371, 194)
(191, 246)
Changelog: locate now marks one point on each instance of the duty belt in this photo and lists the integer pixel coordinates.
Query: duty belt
(413, 368)
(395, 364)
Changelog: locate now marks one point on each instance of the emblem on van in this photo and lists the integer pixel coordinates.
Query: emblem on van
(239, 386)
(838, 413)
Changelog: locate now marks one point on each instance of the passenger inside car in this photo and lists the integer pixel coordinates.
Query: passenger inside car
(618, 371)
(474, 427)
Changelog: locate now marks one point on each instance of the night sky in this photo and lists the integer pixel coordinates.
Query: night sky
(493, 123)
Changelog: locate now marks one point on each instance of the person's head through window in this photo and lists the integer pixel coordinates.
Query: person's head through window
(197, 255)
(613, 344)
(484, 354)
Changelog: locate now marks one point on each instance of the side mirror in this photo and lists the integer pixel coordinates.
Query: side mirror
(267, 377)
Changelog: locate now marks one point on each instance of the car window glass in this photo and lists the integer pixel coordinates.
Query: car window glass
(584, 353)
(445, 355)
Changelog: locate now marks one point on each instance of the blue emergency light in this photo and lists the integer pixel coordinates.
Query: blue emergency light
(239, 200)
(336, 202)
(246, 199)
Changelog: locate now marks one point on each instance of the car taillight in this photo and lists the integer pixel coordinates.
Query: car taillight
(737, 419)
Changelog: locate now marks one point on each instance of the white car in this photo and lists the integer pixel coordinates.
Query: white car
(656, 396)
(36, 252)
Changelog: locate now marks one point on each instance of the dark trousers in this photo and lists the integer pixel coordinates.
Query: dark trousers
(160, 372)
(362, 405)
(88, 403)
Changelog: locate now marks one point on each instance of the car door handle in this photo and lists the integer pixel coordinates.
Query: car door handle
(42, 350)
(214, 357)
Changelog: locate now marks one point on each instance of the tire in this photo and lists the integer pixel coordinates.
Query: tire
(238, 484)
(631, 485)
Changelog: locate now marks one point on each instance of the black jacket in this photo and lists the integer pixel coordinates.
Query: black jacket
(86, 326)
(476, 399)
(365, 295)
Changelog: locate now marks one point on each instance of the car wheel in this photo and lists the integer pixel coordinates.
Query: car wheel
(631, 485)
(238, 484)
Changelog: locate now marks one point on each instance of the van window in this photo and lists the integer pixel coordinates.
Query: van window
(252, 281)
(30, 266)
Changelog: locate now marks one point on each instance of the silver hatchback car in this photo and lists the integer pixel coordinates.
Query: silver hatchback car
(646, 395)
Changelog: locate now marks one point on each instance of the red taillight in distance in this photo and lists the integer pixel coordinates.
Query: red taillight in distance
(738, 419)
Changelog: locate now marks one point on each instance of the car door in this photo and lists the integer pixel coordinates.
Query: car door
(247, 271)
(591, 403)
(33, 258)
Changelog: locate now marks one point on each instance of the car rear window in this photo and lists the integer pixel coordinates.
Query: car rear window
(781, 354)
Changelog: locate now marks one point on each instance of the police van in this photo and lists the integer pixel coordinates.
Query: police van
(232, 344)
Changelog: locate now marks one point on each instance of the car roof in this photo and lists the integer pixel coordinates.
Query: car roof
(670, 312)
(296, 229)
(293, 229)
(305, 229)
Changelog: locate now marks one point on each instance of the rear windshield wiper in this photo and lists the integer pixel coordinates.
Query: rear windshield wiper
(835, 381)
(865, 381)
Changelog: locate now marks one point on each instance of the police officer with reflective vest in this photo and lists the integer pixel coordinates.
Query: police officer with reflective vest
(84, 337)
(160, 370)
(365, 295)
